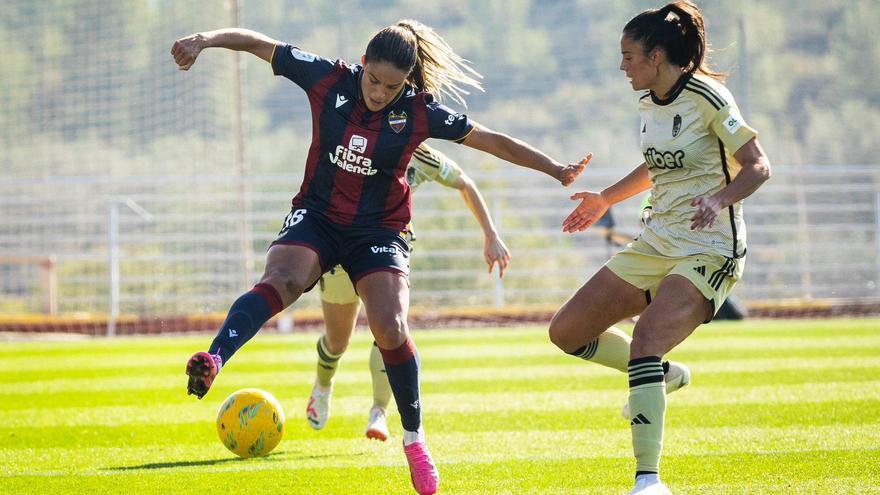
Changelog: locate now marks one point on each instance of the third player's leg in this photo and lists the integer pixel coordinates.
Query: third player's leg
(340, 321)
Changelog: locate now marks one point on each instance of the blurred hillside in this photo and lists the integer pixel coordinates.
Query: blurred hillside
(88, 87)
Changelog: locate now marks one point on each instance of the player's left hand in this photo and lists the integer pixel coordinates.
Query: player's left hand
(495, 251)
(568, 174)
(707, 211)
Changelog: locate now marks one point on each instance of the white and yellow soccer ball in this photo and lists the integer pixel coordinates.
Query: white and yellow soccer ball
(250, 422)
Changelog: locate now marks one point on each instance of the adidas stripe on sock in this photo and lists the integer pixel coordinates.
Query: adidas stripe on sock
(610, 348)
(647, 403)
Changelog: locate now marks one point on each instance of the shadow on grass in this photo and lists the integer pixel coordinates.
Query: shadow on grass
(273, 457)
(206, 462)
(295, 456)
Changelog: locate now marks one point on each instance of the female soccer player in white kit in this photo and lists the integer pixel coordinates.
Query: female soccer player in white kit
(701, 161)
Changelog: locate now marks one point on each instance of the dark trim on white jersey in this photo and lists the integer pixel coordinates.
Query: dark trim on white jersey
(706, 91)
(729, 208)
(676, 90)
(427, 158)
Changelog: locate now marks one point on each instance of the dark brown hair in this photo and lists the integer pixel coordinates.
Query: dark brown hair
(678, 29)
(430, 63)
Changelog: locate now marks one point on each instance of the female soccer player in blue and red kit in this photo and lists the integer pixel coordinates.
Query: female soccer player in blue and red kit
(354, 201)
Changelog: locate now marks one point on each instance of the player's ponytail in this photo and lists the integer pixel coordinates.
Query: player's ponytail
(678, 29)
(431, 63)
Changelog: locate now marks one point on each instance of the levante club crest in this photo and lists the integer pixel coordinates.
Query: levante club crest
(397, 121)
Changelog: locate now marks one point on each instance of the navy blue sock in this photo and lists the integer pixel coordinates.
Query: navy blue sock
(402, 368)
(247, 314)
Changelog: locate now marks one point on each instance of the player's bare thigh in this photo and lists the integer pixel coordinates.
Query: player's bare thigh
(291, 269)
(676, 311)
(386, 299)
(600, 303)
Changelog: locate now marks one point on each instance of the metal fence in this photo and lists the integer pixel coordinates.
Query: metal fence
(182, 245)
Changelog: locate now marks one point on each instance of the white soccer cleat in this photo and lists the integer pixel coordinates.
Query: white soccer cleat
(649, 484)
(318, 410)
(678, 376)
(377, 427)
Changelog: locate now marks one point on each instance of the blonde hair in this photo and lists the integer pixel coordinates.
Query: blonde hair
(431, 64)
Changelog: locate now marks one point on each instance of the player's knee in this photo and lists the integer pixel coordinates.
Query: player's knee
(389, 329)
(289, 282)
(335, 345)
(562, 334)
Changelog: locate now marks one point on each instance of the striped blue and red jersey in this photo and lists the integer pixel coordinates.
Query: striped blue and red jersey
(356, 168)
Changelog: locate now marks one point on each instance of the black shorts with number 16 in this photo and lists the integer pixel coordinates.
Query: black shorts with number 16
(359, 250)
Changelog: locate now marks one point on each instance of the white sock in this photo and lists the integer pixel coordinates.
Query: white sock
(410, 437)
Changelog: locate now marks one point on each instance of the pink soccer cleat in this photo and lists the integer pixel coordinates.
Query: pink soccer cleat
(422, 470)
(202, 368)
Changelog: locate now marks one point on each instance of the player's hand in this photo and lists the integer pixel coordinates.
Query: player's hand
(494, 251)
(187, 49)
(707, 211)
(593, 206)
(569, 173)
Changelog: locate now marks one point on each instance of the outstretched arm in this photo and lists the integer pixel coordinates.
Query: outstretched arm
(594, 205)
(187, 49)
(521, 153)
(494, 249)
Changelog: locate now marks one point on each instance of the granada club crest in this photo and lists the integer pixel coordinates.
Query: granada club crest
(397, 121)
(676, 125)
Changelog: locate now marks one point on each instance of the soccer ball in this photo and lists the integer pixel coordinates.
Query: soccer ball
(250, 422)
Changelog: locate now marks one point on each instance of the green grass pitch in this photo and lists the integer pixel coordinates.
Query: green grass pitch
(775, 407)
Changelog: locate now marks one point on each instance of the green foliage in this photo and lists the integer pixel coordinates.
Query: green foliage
(77, 71)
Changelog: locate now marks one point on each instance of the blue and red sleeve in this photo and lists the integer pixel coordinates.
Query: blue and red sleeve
(303, 68)
(446, 123)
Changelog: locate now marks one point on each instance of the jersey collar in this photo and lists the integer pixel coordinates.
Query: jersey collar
(676, 90)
